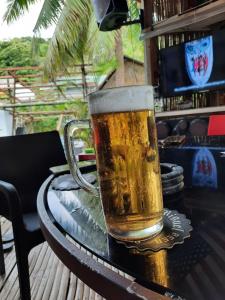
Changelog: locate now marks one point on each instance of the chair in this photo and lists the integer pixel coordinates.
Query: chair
(216, 125)
(24, 165)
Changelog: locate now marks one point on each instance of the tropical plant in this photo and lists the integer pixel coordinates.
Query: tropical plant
(76, 38)
(17, 52)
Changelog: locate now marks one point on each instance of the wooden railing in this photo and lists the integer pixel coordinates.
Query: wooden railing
(164, 9)
(27, 84)
(28, 97)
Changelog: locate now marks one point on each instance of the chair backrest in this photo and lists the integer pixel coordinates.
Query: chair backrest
(216, 125)
(25, 161)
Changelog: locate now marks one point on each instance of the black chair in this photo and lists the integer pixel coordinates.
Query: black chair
(24, 165)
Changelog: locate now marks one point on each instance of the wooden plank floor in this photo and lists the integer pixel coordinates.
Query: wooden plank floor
(49, 278)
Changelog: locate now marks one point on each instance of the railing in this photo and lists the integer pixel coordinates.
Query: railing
(28, 97)
(27, 84)
(164, 9)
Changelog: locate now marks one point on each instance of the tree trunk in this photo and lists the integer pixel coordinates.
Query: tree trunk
(120, 72)
(84, 81)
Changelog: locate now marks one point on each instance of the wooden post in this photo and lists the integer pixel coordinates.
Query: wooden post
(151, 64)
(120, 72)
(84, 81)
(59, 123)
(13, 102)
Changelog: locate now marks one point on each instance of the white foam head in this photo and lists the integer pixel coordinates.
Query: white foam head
(121, 99)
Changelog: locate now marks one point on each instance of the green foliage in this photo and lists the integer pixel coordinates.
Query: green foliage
(71, 43)
(49, 14)
(47, 124)
(133, 9)
(18, 53)
(81, 112)
(84, 134)
(76, 38)
(106, 67)
(16, 8)
(81, 109)
(132, 45)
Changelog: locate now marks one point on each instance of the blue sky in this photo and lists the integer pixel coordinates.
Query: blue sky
(24, 25)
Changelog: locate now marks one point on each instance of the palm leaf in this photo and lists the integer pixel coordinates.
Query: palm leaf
(99, 45)
(69, 35)
(77, 39)
(133, 9)
(16, 8)
(49, 14)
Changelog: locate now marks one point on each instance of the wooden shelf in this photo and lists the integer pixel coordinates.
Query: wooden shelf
(189, 112)
(196, 20)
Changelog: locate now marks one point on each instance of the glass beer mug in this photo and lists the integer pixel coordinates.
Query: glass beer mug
(127, 161)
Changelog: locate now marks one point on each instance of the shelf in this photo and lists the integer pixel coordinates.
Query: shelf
(199, 19)
(188, 112)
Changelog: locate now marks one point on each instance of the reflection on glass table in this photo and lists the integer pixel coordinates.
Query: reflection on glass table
(193, 270)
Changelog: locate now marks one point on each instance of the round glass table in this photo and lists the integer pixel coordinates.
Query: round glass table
(72, 220)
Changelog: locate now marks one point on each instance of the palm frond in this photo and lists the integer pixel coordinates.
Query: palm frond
(133, 9)
(100, 45)
(49, 14)
(69, 36)
(75, 39)
(16, 8)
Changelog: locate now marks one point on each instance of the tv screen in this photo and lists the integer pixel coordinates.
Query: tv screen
(198, 65)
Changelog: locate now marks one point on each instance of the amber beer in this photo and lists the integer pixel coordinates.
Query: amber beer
(127, 161)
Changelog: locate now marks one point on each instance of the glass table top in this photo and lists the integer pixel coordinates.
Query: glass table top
(192, 270)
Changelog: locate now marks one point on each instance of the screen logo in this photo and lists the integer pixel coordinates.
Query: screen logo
(199, 60)
(204, 169)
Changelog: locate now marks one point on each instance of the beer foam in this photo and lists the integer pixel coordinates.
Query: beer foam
(121, 99)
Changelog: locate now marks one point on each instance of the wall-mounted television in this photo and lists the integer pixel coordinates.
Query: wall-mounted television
(198, 65)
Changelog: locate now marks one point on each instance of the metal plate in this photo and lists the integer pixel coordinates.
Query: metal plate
(176, 228)
(67, 183)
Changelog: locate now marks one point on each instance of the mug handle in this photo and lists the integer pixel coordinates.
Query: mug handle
(70, 128)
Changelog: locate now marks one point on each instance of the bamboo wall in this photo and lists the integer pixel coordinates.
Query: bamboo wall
(164, 9)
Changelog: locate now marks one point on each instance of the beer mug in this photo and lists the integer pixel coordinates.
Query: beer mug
(125, 141)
